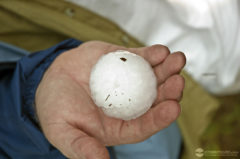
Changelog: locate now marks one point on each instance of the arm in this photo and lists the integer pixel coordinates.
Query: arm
(20, 136)
(67, 116)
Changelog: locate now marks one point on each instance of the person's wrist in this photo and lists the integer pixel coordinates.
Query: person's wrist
(43, 60)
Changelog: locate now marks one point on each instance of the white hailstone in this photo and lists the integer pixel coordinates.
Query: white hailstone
(123, 84)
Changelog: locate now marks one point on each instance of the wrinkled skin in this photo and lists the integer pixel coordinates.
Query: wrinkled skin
(77, 127)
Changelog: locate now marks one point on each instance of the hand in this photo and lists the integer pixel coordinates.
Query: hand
(77, 127)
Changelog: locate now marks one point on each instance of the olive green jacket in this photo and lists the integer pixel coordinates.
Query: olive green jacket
(37, 24)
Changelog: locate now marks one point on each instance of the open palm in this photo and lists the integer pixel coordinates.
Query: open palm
(77, 127)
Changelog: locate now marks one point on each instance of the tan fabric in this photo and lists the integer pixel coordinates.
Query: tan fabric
(36, 25)
(198, 108)
(39, 24)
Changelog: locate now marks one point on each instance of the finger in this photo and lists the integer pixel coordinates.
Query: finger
(75, 144)
(154, 54)
(156, 119)
(172, 65)
(171, 89)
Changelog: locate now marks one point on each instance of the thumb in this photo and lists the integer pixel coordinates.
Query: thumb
(76, 144)
(86, 147)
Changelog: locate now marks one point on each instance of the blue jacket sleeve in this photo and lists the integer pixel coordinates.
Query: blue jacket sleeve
(20, 136)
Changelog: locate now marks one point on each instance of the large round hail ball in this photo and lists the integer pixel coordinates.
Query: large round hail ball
(123, 84)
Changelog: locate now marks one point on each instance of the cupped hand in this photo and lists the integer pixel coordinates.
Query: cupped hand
(77, 127)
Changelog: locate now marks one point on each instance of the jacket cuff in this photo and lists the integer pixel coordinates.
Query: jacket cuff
(34, 67)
